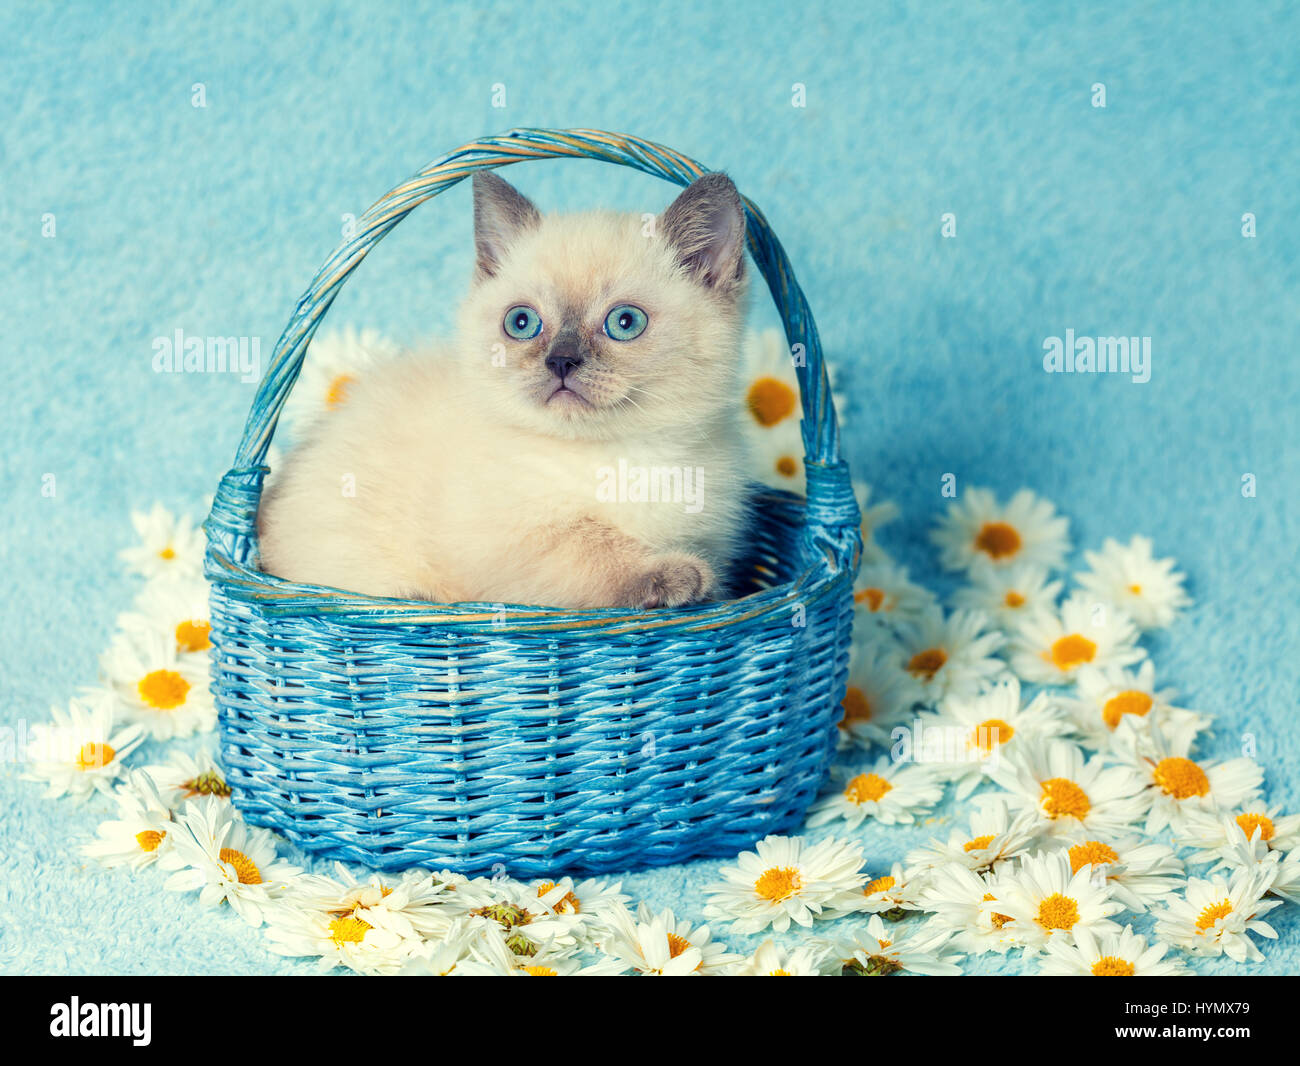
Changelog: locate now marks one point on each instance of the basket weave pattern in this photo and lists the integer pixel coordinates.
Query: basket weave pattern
(534, 740)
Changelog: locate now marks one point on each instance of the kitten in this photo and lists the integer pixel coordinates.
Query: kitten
(593, 354)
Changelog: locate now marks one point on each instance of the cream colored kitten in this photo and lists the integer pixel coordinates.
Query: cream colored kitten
(595, 365)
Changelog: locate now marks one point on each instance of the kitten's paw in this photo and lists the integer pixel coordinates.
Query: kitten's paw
(671, 581)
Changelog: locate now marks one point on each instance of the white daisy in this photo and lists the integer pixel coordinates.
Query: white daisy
(1286, 883)
(166, 693)
(448, 953)
(176, 609)
(880, 694)
(140, 833)
(891, 793)
(772, 961)
(1217, 916)
(186, 777)
(950, 656)
(590, 900)
(528, 918)
(341, 939)
(1103, 698)
(491, 957)
(1008, 593)
(215, 853)
(1070, 795)
(661, 945)
(1139, 873)
(1215, 834)
(1122, 954)
(1046, 898)
(171, 546)
(334, 363)
(411, 904)
(1146, 589)
(956, 896)
(1176, 784)
(969, 735)
(893, 893)
(772, 410)
(884, 594)
(81, 750)
(1050, 648)
(874, 518)
(784, 880)
(995, 835)
(879, 952)
(977, 528)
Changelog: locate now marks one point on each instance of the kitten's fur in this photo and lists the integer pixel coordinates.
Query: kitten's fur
(477, 481)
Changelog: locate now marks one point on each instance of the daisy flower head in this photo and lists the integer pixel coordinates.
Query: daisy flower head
(462, 944)
(1046, 898)
(1050, 648)
(957, 898)
(977, 528)
(1176, 784)
(351, 942)
(184, 777)
(1123, 954)
(1139, 873)
(772, 410)
(1008, 593)
(880, 952)
(879, 695)
(173, 609)
(874, 517)
(140, 833)
(891, 793)
(530, 916)
(1216, 916)
(170, 546)
(773, 961)
(1103, 699)
(163, 691)
(490, 956)
(1068, 793)
(335, 362)
(660, 945)
(216, 854)
(589, 901)
(969, 735)
(1286, 883)
(1146, 589)
(409, 904)
(784, 880)
(80, 751)
(885, 595)
(950, 655)
(892, 893)
(995, 835)
(1216, 836)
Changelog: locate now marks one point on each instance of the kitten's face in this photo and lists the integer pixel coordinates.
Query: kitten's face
(599, 325)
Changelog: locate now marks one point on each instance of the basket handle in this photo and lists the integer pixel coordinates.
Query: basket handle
(832, 516)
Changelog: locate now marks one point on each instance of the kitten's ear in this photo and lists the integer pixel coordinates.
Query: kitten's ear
(706, 226)
(501, 213)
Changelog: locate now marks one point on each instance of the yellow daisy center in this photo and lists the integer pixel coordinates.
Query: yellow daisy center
(979, 843)
(208, 783)
(245, 869)
(567, 904)
(927, 663)
(873, 598)
(1058, 912)
(1013, 599)
(1091, 851)
(1062, 798)
(1212, 914)
(540, 971)
(866, 787)
(778, 883)
(787, 466)
(92, 756)
(168, 553)
(997, 540)
(999, 920)
(1135, 589)
(1113, 966)
(780, 973)
(1130, 701)
(880, 884)
(193, 635)
(164, 690)
(677, 945)
(338, 389)
(989, 734)
(1181, 778)
(349, 930)
(770, 401)
(1250, 822)
(1072, 650)
(149, 839)
(857, 708)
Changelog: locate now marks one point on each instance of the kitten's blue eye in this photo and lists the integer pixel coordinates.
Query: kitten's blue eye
(625, 322)
(522, 323)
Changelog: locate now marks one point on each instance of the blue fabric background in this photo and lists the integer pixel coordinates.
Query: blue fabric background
(1124, 220)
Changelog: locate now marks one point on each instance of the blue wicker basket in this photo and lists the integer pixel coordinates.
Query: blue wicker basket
(535, 740)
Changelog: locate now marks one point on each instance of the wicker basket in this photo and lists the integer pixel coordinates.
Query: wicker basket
(534, 740)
